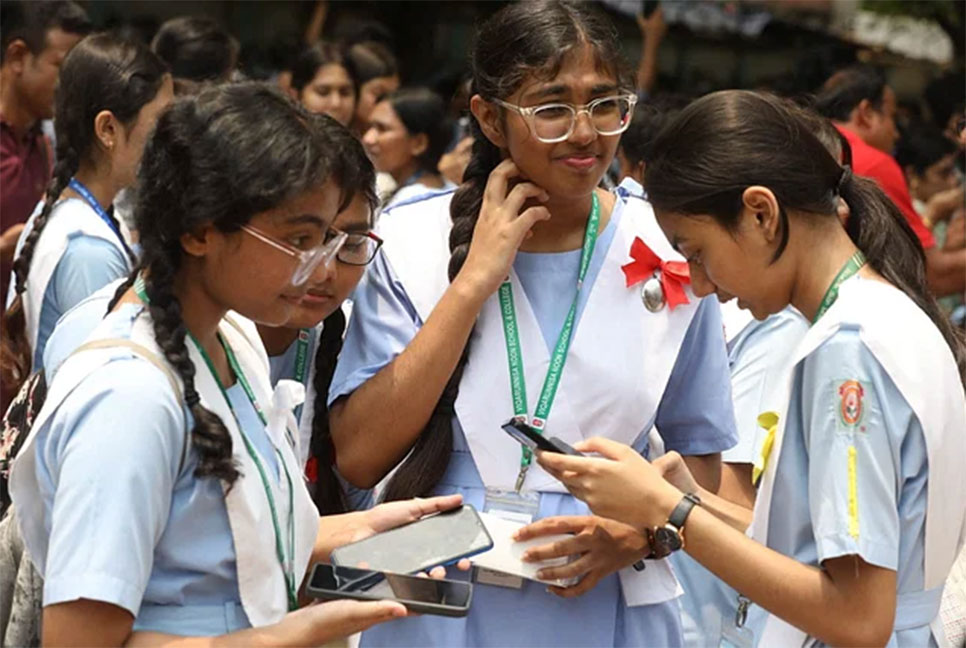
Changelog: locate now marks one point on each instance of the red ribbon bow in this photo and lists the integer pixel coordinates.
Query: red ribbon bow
(674, 274)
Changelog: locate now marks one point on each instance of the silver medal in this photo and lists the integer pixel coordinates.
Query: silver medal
(652, 294)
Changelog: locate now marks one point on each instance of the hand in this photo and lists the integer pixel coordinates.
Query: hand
(604, 546)
(500, 229)
(453, 164)
(676, 472)
(622, 485)
(945, 203)
(653, 27)
(8, 242)
(956, 233)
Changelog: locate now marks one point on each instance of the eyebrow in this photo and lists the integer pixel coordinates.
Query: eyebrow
(306, 219)
(557, 89)
(356, 228)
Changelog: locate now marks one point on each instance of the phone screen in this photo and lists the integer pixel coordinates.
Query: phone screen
(435, 540)
(365, 583)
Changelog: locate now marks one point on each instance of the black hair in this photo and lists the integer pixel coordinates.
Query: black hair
(521, 40)
(846, 89)
(354, 174)
(314, 57)
(196, 49)
(422, 111)
(728, 141)
(921, 146)
(30, 21)
(219, 158)
(372, 60)
(100, 73)
(649, 117)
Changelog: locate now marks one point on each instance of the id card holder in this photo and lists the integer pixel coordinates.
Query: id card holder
(509, 505)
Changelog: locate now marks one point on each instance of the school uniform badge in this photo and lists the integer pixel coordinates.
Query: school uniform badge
(850, 404)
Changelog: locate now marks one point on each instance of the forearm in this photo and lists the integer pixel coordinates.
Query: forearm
(375, 426)
(706, 470)
(736, 484)
(946, 271)
(264, 637)
(647, 70)
(734, 515)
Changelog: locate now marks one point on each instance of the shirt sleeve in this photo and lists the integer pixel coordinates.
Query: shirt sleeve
(111, 457)
(853, 468)
(383, 322)
(889, 177)
(88, 264)
(696, 415)
(758, 366)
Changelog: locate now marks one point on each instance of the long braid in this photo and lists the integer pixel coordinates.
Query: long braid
(427, 462)
(328, 494)
(209, 436)
(16, 354)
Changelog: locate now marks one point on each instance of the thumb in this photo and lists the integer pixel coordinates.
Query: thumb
(347, 617)
(604, 447)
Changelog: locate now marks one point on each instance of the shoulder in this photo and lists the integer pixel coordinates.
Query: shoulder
(427, 200)
(85, 249)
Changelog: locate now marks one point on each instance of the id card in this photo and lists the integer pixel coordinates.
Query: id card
(735, 637)
(516, 507)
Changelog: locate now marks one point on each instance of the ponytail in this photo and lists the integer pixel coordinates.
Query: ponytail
(892, 249)
(328, 495)
(425, 465)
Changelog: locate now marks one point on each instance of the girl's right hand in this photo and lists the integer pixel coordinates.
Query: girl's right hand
(320, 623)
(500, 229)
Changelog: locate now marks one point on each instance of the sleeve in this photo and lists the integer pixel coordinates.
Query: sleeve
(383, 322)
(87, 265)
(853, 464)
(889, 177)
(112, 456)
(758, 366)
(696, 415)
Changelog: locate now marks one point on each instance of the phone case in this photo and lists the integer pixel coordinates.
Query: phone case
(420, 607)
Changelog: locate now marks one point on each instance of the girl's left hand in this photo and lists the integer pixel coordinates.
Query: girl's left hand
(604, 546)
(621, 485)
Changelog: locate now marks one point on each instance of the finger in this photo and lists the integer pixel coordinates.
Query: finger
(496, 184)
(464, 564)
(351, 617)
(438, 573)
(519, 195)
(573, 569)
(586, 584)
(547, 526)
(528, 219)
(561, 463)
(423, 507)
(556, 549)
(605, 448)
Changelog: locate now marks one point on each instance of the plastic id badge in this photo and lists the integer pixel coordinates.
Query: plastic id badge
(513, 506)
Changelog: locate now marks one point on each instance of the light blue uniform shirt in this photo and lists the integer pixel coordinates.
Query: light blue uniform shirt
(695, 417)
(809, 518)
(88, 263)
(129, 523)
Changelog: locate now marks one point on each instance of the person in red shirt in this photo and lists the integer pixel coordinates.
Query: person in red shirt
(36, 37)
(862, 106)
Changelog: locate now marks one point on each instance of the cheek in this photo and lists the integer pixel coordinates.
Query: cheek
(345, 281)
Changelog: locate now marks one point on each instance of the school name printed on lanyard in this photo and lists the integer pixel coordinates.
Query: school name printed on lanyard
(558, 358)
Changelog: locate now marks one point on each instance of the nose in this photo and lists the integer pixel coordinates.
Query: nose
(700, 284)
(584, 131)
(369, 138)
(323, 273)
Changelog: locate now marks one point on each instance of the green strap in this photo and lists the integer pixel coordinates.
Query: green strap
(853, 265)
(285, 559)
(302, 343)
(558, 358)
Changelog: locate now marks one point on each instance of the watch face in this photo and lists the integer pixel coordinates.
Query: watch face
(667, 539)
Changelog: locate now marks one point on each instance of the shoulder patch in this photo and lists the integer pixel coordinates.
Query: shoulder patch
(850, 403)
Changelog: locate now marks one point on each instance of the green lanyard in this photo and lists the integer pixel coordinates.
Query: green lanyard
(853, 265)
(302, 363)
(558, 358)
(286, 561)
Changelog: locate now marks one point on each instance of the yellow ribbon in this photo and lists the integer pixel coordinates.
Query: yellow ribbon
(767, 421)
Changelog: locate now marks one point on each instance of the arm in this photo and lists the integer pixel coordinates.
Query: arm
(946, 270)
(652, 29)
(736, 485)
(313, 32)
(377, 424)
(706, 469)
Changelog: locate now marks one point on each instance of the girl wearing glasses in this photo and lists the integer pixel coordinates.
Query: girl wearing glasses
(307, 347)
(159, 492)
(454, 332)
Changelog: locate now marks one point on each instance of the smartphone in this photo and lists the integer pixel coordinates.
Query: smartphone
(425, 595)
(527, 436)
(438, 539)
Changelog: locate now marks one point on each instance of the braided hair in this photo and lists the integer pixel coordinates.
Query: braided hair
(217, 158)
(519, 41)
(101, 73)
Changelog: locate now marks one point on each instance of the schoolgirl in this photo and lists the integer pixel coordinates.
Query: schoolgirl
(159, 492)
(859, 511)
(408, 133)
(324, 81)
(549, 104)
(109, 96)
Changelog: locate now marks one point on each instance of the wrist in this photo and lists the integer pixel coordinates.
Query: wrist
(471, 289)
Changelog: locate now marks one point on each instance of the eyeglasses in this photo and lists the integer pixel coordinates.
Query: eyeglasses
(359, 249)
(555, 122)
(308, 260)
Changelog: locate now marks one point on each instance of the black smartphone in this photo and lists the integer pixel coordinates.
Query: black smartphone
(527, 436)
(438, 539)
(425, 595)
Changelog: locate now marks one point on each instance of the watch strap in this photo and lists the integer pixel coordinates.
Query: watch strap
(681, 512)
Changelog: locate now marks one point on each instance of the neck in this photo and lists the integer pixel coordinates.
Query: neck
(568, 222)
(816, 273)
(404, 173)
(98, 183)
(277, 339)
(201, 315)
(14, 112)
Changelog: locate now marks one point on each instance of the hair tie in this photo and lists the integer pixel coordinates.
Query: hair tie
(844, 179)
(192, 398)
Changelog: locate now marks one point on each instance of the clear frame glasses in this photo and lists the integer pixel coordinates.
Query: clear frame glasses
(308, 260)
(555, 122)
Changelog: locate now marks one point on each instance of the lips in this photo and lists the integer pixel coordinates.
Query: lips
(316, 299)
(579, 162)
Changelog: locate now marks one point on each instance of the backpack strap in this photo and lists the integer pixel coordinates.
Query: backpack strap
(153, 358)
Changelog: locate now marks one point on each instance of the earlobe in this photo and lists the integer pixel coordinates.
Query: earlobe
(105, 128)
(488, 116)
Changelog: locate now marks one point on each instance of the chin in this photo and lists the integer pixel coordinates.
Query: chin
(306, 317)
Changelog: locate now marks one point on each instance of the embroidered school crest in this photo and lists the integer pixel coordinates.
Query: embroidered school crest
(850, 406)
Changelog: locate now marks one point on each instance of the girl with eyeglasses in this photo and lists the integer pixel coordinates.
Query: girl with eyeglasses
(159, 492)
(509, 299)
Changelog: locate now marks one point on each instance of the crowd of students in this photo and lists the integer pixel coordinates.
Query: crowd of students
(249, 322)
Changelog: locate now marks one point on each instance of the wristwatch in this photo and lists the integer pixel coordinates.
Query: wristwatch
(667, 539)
